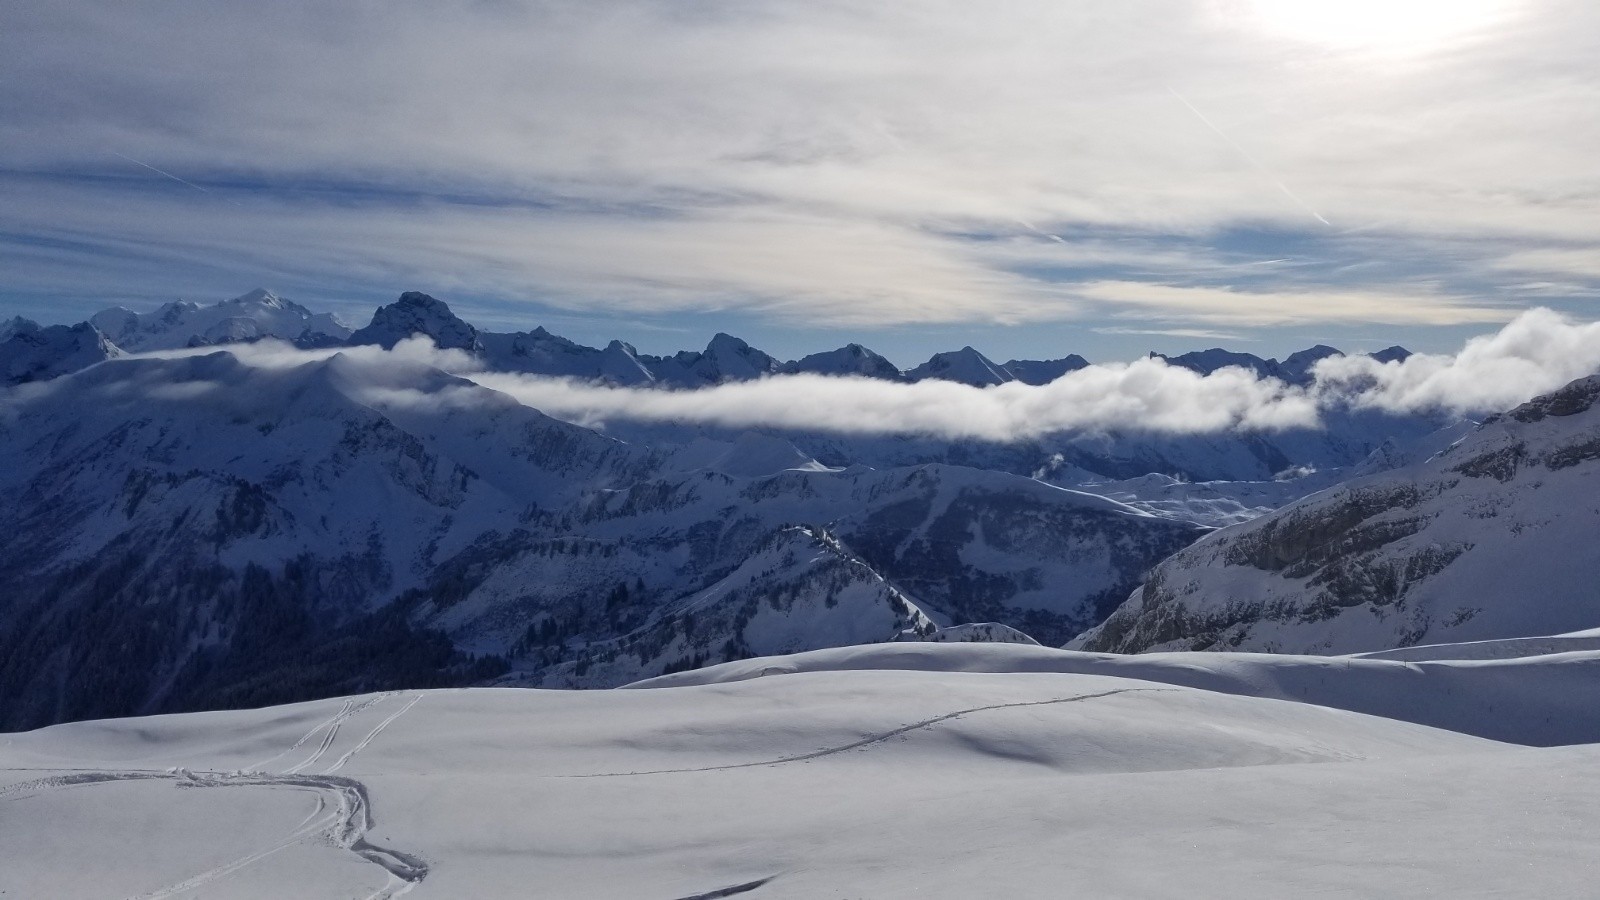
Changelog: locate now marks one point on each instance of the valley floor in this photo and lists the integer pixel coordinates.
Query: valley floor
(896, 771)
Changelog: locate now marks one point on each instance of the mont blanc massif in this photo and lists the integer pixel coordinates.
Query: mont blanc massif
(260, 567)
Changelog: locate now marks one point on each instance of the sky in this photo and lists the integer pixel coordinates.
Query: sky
(1030, 177)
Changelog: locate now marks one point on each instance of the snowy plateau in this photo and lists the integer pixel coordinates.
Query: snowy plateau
(295, 609)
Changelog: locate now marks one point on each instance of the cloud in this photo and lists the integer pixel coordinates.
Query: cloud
(1537, 352)
(818, 159)
(1269, 307)
(1200, 333)
(1158, 397)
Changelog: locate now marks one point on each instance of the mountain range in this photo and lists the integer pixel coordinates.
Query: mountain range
(219, 527)
(261, 314)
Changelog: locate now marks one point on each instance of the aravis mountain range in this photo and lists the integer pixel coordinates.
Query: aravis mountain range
(196, 519)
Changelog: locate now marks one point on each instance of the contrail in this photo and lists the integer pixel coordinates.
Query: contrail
(1054, 237)
(159, 172)
(1250, 159)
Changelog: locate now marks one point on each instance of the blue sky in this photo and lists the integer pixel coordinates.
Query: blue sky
(1033, 178)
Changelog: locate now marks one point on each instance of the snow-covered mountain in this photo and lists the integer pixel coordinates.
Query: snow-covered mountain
(1044, 371)
(253, 316)
(416, 313)
(14, 326)
(1492, 538)
(851, 359)
(966, 366)
(538, 352)
(1294, 368)
(243, 519)
(32, 353)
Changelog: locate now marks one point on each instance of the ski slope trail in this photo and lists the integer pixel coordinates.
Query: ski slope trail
(342, 818)
(876, 738)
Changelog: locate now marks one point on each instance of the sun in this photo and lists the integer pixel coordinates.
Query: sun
(1386, 26)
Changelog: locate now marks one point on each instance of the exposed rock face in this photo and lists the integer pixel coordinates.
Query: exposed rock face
(416, 313)
(1493, 538)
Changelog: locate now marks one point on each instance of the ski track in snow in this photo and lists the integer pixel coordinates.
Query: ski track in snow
(349, 754)
(345, 827)
(731, 890)
(872, 739)
(344, 710)
(332, 732)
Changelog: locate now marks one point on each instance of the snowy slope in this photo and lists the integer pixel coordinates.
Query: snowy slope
(801, 590)
(1493, 538)
(938, 783)
(1539, 700)
(967, 545)
(258, 314)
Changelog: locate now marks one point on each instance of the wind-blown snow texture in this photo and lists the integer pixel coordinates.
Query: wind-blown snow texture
(928, 770)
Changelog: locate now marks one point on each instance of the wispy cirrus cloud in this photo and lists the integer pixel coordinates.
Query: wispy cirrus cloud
(843, 162)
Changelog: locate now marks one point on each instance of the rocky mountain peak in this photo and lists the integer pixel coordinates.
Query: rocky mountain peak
(416, 313)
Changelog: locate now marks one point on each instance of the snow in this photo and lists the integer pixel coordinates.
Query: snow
(966, 366)
(1490, 538)
(851, 359)
(250, 317)
(890, 774)
(40, 354)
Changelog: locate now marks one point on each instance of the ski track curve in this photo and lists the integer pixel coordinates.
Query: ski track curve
(874, 738)
(345, 827)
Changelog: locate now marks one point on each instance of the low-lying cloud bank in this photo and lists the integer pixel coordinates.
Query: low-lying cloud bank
(1147, 394)
(1537, 352)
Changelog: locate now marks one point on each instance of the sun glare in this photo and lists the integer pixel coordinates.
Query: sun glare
(1388, 26)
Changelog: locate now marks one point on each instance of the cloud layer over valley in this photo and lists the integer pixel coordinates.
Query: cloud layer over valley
(1539, 351)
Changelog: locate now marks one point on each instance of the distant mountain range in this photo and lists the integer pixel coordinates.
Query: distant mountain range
(31, 353)
(206, 529)
(193, 531)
